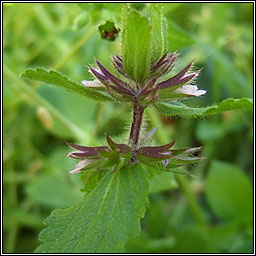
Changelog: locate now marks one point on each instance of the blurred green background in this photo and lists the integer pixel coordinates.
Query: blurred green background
(213, 212)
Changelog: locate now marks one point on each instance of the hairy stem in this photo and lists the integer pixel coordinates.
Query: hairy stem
(138, 111)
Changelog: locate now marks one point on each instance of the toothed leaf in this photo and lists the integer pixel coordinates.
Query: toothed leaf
(55, 78)
(102, 221)
(179, 109)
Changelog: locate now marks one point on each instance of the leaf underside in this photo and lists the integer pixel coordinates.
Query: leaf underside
(104, 220)
(55, 78)
(179, 109)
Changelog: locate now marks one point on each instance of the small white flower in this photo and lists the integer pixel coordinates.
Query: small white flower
(80, 166)
(94, 83)
(190, 90)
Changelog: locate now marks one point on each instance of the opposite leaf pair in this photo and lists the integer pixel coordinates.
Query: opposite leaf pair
(140, 94)
(117, 155)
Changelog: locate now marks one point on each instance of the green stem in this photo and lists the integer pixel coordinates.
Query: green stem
(191, 199)
(14, 226)
(11, 178)
(11, 238)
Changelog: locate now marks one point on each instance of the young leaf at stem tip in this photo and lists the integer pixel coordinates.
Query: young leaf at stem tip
(158, 35)
(136, 45)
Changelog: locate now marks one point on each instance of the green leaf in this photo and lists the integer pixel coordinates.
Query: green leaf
(158, 38)
(229, 192)
(51, 190)
(103, 220)
(179, 109)
(136, 45)
(90, 179)
(55, 78)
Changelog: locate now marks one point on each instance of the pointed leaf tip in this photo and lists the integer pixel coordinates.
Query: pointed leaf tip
(122, 148)
(179, 78)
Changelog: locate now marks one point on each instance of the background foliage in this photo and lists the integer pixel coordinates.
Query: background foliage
(38, 119)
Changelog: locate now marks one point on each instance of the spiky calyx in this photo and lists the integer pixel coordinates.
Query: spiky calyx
(153, 90)
(117, 155)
